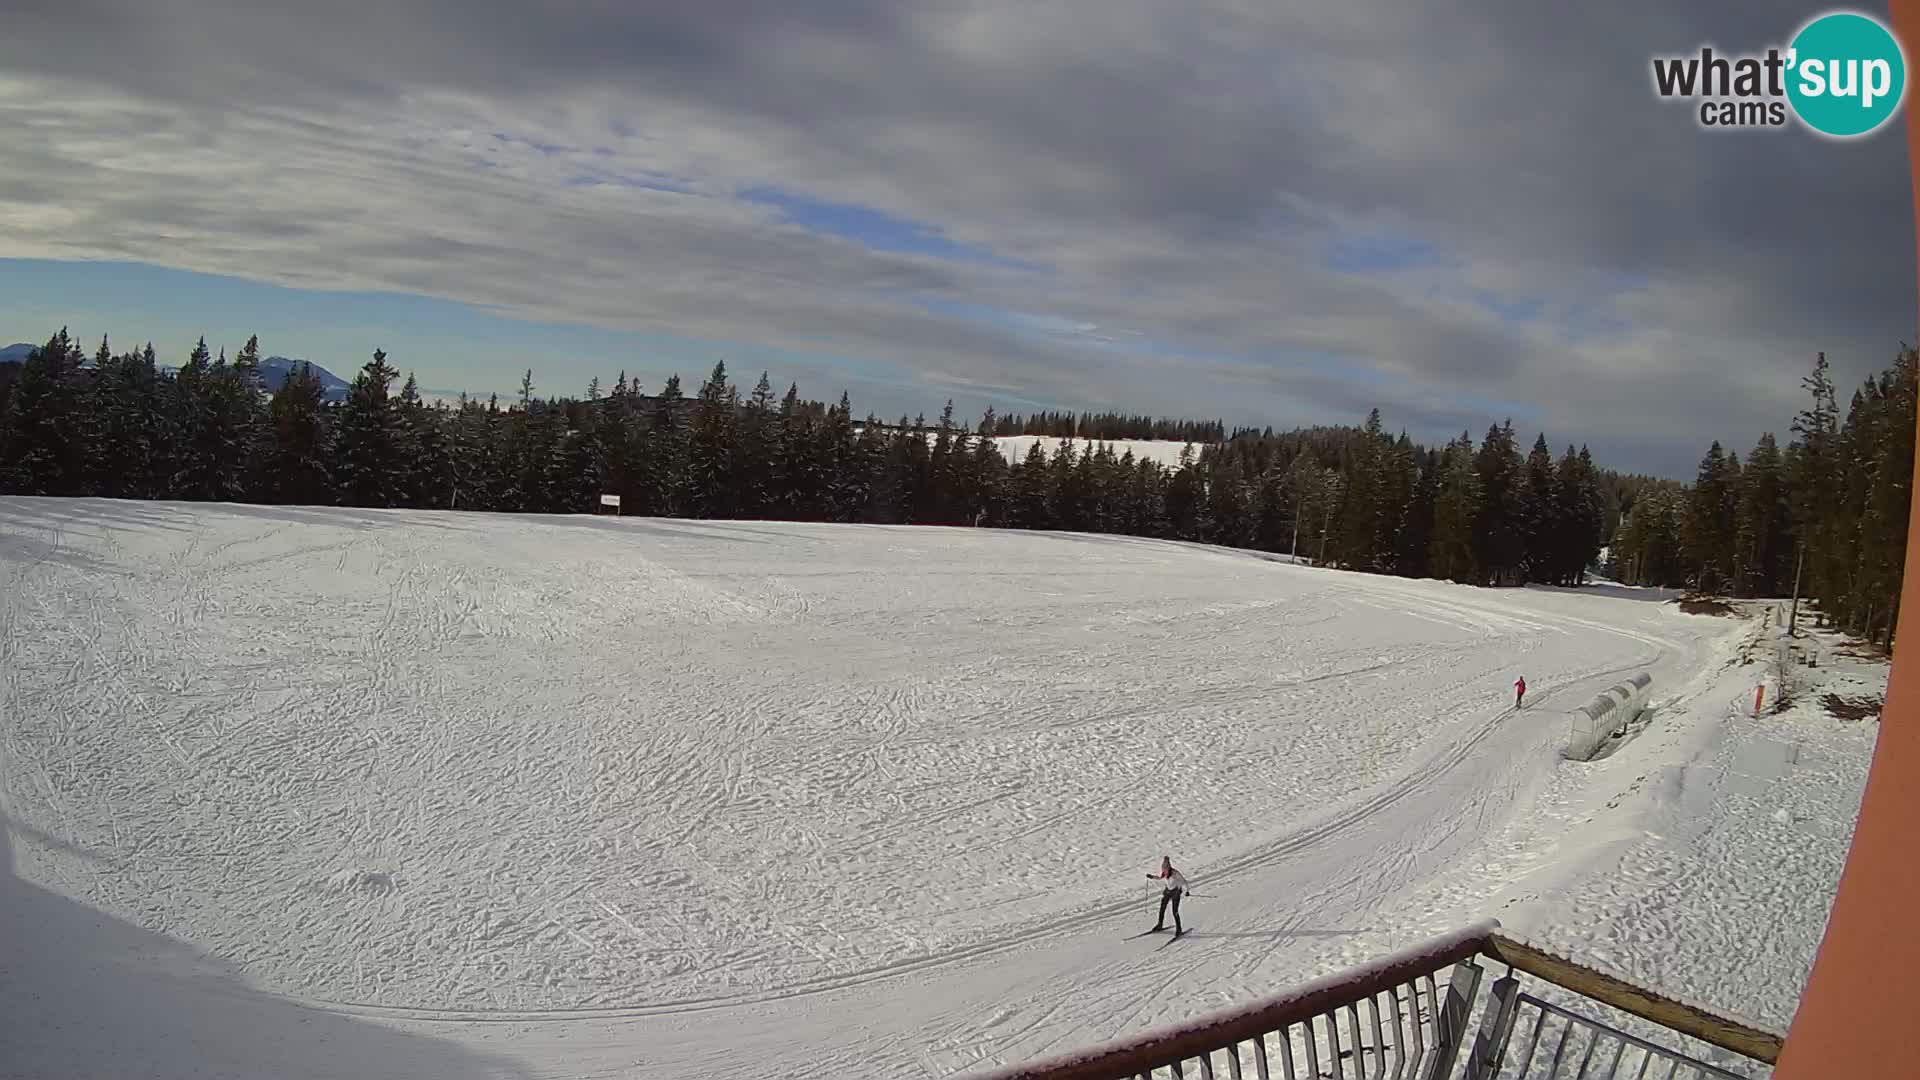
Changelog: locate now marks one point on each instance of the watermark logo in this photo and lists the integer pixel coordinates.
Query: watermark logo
(1843, 75)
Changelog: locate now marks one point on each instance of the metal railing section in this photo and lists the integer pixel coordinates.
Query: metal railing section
(1553, 1043)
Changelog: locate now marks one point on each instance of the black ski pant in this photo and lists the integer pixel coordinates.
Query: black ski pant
(1169, 897)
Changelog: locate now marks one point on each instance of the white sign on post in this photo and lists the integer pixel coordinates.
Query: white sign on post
(609, 500)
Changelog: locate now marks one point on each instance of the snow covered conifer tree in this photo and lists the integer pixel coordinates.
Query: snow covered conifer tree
(296, 470)
(369, 442)
(713, 448)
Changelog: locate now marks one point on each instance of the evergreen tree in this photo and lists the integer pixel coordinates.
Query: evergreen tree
(128, 410)
(1229, 505)
(526, 455)
(666, 453)
(877, 464)
(620, 434)
(1815, 477)
(1707, 536)
(799, 470)
(577, 462)
(1499, 536)
(983, 500)
(1763, 546)
(1839, 493)
(757, 452)
(428, 443)
(1544, 532)
(1033, 491)
(1413, 543)
(1186, 499)
(1363, 509)
(1888, 452)
(1272, 512)
(296, 469)
(947, 472)
(370, 439)
(1316, 495)
(1648, 547)
(42, 438)
(1400, 486)
(1579, 512)
(839, 456)
(246, 366)
(1457, 509)
(1063, 485)
(713, 442)
(473, 456)
(218, 424)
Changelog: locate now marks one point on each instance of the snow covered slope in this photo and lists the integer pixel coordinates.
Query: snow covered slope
(1166, 452)
(554, 796)
(1753, 812)
(1014, 448)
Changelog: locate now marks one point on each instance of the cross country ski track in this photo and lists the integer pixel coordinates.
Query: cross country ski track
(1421, 777)
(488, 773)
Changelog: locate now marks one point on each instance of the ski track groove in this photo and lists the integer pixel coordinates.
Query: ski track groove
(508, 774)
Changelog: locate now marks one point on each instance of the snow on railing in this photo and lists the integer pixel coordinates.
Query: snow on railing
(1710, 1031)
(1388, 1017)
(1406, 1016)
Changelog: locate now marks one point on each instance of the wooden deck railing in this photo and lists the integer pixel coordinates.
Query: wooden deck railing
(1407, 1016)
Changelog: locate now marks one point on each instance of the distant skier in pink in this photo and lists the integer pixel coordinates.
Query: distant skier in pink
(1176, 884)
(1519, 691)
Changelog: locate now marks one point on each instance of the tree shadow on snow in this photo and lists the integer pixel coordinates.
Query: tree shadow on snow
(186, 516)
(358, 517)
(83, 994)
(1272, 935)
(1647, 594)
(670, 528)
(31, 551)
(62, 515)
(1138, 542)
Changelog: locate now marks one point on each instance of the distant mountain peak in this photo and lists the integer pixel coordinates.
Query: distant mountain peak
(275, 370)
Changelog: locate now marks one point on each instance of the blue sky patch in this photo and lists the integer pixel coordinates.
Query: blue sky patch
(1376, 251)
(452, 346)
(873, 229)
(1513, 309)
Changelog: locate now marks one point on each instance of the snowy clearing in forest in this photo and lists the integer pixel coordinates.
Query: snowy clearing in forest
(1167, 452)
(527, 795)
(1014, 448)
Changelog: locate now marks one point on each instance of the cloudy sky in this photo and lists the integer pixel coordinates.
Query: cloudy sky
(1260, 211)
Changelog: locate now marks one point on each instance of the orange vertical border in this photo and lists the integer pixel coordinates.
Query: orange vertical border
(1862, 1001)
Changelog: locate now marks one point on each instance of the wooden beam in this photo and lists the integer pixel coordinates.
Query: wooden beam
(1689, 1020)
(1856, 1015)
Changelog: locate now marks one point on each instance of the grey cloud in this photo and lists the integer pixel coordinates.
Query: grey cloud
(1181, 165)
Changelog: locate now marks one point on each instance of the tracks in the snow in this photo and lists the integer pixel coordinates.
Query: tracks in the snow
(1409, 782)
(581, 764)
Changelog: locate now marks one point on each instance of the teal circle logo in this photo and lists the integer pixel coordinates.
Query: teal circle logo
(1846, 74)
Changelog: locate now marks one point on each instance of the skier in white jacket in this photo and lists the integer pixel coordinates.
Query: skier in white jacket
(1170, 893)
